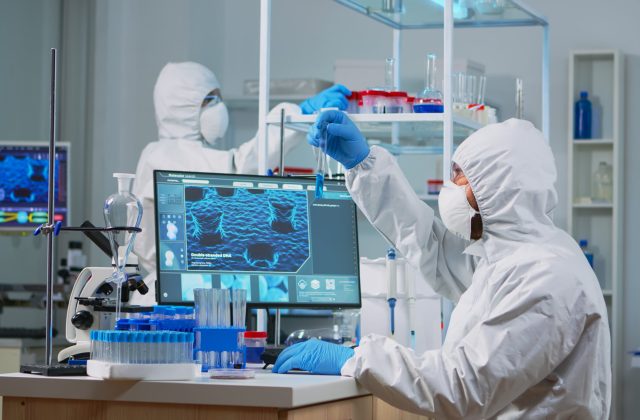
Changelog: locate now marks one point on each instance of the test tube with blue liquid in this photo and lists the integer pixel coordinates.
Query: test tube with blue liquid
(321, 165)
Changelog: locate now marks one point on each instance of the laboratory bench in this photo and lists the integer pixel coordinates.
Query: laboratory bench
(268, 396)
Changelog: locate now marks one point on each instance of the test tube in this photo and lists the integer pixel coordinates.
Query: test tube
(200, 302)
(224, 308)
(239, 300)
(482, 87)
(213, 308)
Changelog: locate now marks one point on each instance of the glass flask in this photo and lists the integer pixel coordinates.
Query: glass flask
(122, 209)
(430, 99)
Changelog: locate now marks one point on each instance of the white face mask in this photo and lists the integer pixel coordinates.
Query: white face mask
(455, 210)
(214, 121)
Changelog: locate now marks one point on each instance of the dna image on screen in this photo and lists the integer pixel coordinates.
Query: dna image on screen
(246, 229)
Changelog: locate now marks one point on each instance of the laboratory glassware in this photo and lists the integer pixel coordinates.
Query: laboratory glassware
(584, 246)
(582, 115)
(430, 100)
(389, 72)
(122, 209)
(602, 190)
(255, 342)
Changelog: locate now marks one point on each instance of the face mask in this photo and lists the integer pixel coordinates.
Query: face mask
(455, 210)
(214, 121)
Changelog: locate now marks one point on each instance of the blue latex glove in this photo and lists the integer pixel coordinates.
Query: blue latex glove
(345, 143)
(315, 356)
(334, 97)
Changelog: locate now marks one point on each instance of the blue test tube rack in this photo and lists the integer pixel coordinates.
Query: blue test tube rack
(222, 339)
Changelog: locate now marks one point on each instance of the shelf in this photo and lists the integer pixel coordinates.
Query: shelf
(593, 206)
(593, 142)
(251, 102)
(416, 133)
(429, 14)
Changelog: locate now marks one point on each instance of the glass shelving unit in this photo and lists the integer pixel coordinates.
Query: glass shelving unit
(429, 14)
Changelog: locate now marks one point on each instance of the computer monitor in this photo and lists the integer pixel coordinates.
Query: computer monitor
(268, 235)
(24, 184)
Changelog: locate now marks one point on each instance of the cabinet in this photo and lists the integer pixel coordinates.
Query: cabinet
(592, 216)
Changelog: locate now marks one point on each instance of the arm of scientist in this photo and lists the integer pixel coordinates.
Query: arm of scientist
(384, 195)
(494, 363)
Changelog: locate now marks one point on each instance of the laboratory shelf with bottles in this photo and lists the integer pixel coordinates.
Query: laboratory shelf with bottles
(595, 176)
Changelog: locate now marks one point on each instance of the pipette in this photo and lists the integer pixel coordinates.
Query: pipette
(411, 298)
(391, 287)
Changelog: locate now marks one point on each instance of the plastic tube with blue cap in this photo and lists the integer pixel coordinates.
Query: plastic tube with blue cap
(392, 288)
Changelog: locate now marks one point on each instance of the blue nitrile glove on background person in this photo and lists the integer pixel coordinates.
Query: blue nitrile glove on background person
(333, 97)
(345, 142)
(315, 356)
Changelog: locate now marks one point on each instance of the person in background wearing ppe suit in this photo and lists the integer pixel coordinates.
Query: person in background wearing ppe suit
(529, 336)
(192, 121)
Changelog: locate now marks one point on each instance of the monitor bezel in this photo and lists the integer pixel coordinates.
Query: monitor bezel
(39, 143)
(253, 305)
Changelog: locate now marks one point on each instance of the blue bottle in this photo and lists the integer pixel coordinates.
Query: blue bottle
(582, 117)
(589, 255)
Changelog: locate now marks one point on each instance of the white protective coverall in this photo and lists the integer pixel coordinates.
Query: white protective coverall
(529, 336)
(178, 95)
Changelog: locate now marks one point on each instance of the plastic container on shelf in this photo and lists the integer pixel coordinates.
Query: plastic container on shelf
(584, 245)
(582, 115)
(354, 102)
(408, 104)
(602, 189)
(373, 101)
(396, 102)
(255, 342)
(434, 186)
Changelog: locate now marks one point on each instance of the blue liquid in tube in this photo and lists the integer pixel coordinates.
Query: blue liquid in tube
(319, 184)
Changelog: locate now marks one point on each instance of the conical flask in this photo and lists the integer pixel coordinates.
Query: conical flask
(122, 209)
(430, 100)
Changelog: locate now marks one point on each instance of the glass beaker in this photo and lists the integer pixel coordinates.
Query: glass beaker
(122, 210)
(430, 99)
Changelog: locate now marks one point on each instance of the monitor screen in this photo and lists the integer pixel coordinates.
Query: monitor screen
(265, 234)
(24, 184)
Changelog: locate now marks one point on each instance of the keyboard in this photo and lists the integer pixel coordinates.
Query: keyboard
(20, 332)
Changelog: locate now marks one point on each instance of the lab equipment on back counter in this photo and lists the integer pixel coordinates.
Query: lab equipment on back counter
(584, 245)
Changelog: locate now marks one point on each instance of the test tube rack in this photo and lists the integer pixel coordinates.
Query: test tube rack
(218, 340)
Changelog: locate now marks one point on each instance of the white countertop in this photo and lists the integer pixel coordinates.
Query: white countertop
(265, 390)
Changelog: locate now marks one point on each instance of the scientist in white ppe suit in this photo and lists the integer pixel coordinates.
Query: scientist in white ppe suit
(529, 336)
(192, 121)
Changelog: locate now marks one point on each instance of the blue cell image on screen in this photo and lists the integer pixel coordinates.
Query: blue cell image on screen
(273, 288)
(236, 281)
(239, 229)
(24, 179)
(194, 281)
(172, 227)
(172, 256)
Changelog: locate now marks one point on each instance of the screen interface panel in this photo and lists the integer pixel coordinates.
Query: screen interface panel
(267, 235)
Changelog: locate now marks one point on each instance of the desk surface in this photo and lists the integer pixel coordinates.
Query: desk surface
(265, 390)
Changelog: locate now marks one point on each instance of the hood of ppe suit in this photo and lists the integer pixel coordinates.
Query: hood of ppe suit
(178, 95)
(512, 173)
